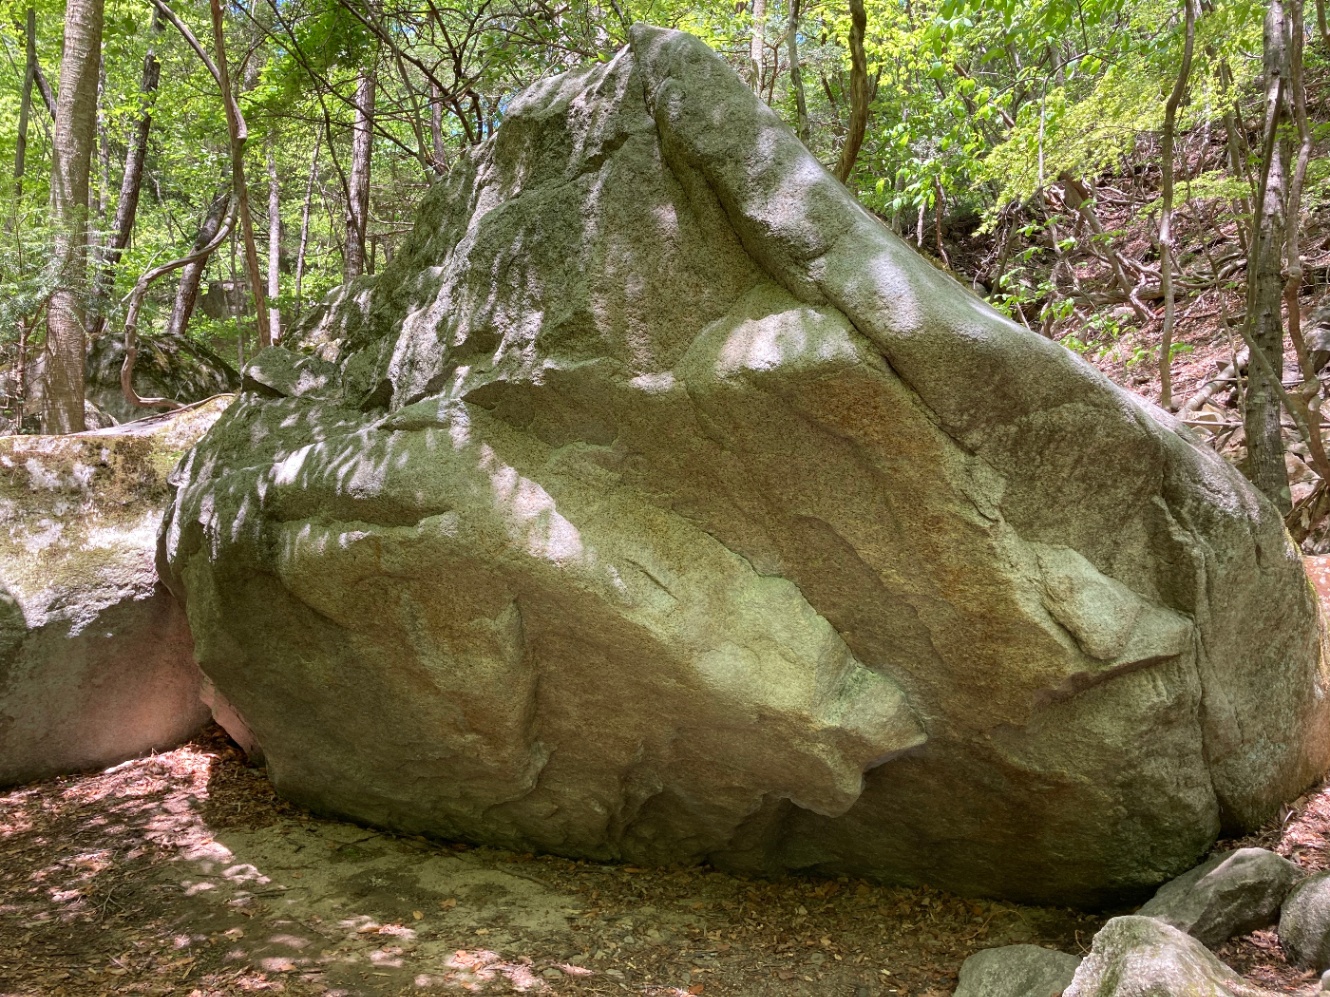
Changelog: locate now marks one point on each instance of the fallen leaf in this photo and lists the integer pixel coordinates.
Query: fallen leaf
(418, 915)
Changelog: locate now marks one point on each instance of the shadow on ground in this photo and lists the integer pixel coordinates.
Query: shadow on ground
(184, 874)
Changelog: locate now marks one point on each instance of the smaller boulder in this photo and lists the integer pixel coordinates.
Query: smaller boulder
(1304, 923)
(1231, 894)
(96, 657)
(1141, 957)
(1017, 971)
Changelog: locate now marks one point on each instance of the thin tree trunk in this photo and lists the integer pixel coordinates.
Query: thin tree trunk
(1309, 395)
(130, 186)
(191, 275)
(239, 133)
(304, 221)
(757, 44)
(71, 159)
(1166, 210)
(25, 104)
(796, 74)
(436, 128)
(1262, 327)
(134, 302)
(103, 186)
(357, 201)
(274, 244)
(858, 92)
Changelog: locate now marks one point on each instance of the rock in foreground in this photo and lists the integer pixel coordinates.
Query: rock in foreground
(96, 661)
(658, 504)
(1143, 957)
(1304, 923)
(1231, 894)
(1016, 971)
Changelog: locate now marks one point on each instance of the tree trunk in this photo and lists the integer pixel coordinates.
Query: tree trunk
(1166, 210)
(757, 44)
(71, 159)
(858, 92)
(239, 133)
(25, 104)
(1263, 326)
(436, 128)
(304, 221)
(357, 201)
(796, 74)
(274, 244)
(191, 275)
(131, 184)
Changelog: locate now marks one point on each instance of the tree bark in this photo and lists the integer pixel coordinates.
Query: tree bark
(191, 275)
(858, 92)
(25, 103)
(757, 44)
(130, 185)
(436, 128)
(304, 221)
(1166, 210)
(71, 159)
(274, 243)
(239, 133)
(357, 201)
(796, 74)
(1263, 328)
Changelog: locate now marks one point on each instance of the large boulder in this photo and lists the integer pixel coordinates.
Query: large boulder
(96, 660)
(665, 507)
(1144, 957)
(1230, 894)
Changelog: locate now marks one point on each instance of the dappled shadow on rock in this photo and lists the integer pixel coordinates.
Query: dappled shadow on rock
(182, 873)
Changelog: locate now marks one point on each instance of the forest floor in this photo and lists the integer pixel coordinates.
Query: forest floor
(183, 873)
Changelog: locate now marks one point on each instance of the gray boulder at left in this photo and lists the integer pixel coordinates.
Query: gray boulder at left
(1304, 923)
(1231, 894)
(96, 659)
(1142, 957)
(1017, 971)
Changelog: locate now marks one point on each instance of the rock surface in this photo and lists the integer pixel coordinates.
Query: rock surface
(167, 367)
(1016, 971)
(1229, 895)
(96, 660)
(665, 507)
(1304, 923)
(1143, 957)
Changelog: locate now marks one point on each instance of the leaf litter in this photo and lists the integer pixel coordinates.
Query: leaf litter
(184, 874)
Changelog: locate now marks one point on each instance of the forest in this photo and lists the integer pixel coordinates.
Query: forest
(1136, 180)
(769, 498)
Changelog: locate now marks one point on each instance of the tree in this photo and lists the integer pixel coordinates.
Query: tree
(71, 157)
(357, 194)
(858, 92)
(1263, 327)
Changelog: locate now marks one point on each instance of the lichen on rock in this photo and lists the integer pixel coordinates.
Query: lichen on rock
(663, 506)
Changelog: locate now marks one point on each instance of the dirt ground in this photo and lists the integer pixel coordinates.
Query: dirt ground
(183, 874)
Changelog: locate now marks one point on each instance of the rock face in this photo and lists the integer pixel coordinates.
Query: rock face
(1016, 971)
(1304, 923)
(1143, 957)
(1231, 894)
(656, 503)
(167, 367)
(96, 660)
